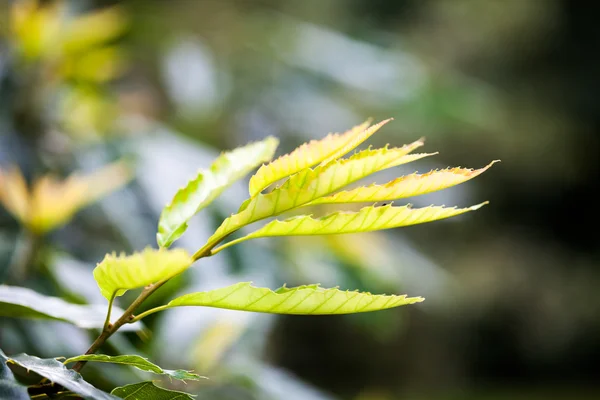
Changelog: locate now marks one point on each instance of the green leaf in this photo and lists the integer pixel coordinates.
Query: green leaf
(208, 184)
(19, 302)
(405, 186)
(367, 219)
(138, 362)
(310, 184)
(117, 274)
(56, 372)
(301, 300)
(9, 387)
(149, 391)
(322, 151)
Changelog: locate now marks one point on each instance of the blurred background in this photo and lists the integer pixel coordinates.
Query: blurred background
(513, 306)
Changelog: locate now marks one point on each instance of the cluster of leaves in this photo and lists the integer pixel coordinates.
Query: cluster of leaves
(78, 54)
(315, 173)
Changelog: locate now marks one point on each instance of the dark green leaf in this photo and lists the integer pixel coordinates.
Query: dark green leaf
(148, 391)
(9, 387)
(138, 362)
(56, 372)
(21, 302)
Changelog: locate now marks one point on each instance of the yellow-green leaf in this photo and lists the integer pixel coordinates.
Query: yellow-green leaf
(52, 202)
(302, 300)
(117, 274)
(208, 184)
(367, 219)
(136, 361)
(405, 186)
(310, 184)
(312, 153)
(149, 390)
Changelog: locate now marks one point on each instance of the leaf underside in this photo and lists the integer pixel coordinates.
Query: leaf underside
(148, 390)
(19, 302)
(208, 184)
(56, 372)
(312, 153)
(138, 362)
(301, 300)
(9, 387)
(117, 274)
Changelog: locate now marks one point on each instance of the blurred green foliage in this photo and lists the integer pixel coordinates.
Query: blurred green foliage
(512, 307)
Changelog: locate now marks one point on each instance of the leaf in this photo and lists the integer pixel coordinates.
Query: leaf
(301, 300)
(148, 390)
(367, 219)
(52, 202)
(312, 153)
(21, 302)
(56, 372)
(405, 186)
(117, 274)
(310, 184)
(138, 362)
(208, 184)
(9, 387)
(14, 194)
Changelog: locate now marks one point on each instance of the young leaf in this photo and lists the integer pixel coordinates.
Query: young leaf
(56, 372)
(405, 186)
(19, 302)
(367, 219)
(52, 202)
(148, 390)
(138, 362)
(9, 387)
(208, 184)
(322, 151)
(301, 300)
(117, 274)
(310, 184)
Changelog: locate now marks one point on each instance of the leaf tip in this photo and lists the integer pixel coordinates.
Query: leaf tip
(478, 206)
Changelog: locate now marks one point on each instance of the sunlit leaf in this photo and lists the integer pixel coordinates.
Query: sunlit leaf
(117, 274)
(310, 184)
(19, 302)
(367, 219)
(405, 186)
(56, 372)
(149, 391)
(14, 193)
(98, 65)
(9, 387)
(93, 29)
(36, 29)
(208, 184)
(301, 300)
(52, 202)
(138, 362)
(327, 149)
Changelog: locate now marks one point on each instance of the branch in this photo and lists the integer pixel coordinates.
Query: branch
(127, 316)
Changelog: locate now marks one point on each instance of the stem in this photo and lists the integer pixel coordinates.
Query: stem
(110, 304)
(148, 312)
(127, 316)
(226, 245)
(109, 329)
